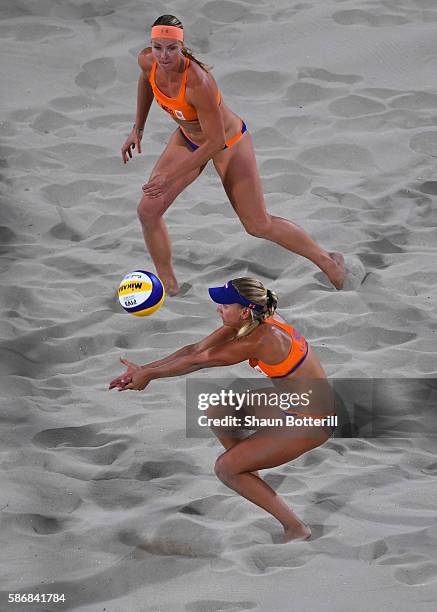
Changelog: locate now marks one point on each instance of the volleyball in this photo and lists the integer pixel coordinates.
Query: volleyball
(141, 293)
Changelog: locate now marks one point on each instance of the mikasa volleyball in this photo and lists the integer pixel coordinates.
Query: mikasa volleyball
(141, 293)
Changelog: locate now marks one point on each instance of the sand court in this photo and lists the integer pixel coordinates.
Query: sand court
(103, 496)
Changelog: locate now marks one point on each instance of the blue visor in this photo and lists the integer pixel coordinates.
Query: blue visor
(229, 295)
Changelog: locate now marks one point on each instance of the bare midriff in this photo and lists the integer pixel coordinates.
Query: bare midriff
(192, 128)
(231, 123)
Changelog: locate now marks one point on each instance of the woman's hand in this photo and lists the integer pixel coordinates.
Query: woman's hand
(132, 141)
(138, 382)
(124, 379)
(157, 186)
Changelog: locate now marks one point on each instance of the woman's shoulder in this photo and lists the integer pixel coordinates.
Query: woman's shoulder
(145, 59)
(279, 318)
(198, 77)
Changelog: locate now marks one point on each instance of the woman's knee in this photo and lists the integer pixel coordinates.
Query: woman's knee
(150, 210)
(223, 469)
(211, 412)
(260, 228)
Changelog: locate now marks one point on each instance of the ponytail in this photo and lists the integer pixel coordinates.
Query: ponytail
(188, 53)
(254, 291)
(271, 303)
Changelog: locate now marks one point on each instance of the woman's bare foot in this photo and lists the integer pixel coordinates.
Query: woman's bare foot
(338, 273)
(171, 284)
(297, 532)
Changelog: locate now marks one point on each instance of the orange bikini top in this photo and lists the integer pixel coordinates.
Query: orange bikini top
(297, 354)
(177, 107)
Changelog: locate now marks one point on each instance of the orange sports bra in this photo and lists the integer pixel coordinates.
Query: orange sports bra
(296, 356)
(177, 107)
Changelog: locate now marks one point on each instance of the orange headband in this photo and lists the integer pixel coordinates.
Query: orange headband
(164, 31)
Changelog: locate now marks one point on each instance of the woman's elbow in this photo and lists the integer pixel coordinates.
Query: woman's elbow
(189, 349)
(204, 359)
(211, 362)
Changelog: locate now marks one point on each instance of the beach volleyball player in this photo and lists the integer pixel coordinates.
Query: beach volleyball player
(207, 129)
(252, 330)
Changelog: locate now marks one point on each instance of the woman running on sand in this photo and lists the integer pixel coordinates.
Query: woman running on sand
(252, 331)
(208, 129)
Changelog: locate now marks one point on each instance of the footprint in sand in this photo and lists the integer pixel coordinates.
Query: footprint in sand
(429, 187)
(400, 559)
(278, 165)
(62, 231)
(294, 184)
(285, 15)
(75, 103)
(253, 83)
(301, 94)
(6, 237)
(75, 153)
(381, 93)
(302, 126)
(359, 17)
(50, 121)
(110, 121)
(417, 573)
(97, 73)
(152, 470)
(10, 10)
(404, 119)
(338, 156)
(225, 11)
(355, 106)
(272, 558)
(213, 506)
(418, 100)
(185, 537)
(270, 138)
(320, 74)
(37, 491)
(33, 31)
(35, 523)
(86, 442)
(117, 493)
(426, 143)
(68, 437)
(71, 193)
(105, 224)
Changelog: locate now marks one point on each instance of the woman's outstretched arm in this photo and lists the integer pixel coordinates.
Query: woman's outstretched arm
(229, 353)
(217, 338)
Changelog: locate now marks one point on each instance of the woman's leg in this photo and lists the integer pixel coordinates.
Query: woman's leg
(151, 210)
(260, 451)
(238, 171)
(226, 440)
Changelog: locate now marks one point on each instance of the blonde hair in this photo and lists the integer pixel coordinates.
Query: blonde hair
(171, 20)
(254, 291)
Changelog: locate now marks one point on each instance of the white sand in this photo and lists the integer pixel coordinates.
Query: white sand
(102, 496)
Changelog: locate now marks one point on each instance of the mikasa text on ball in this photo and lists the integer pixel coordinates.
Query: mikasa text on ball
(141, 293)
